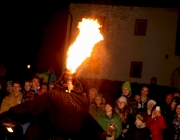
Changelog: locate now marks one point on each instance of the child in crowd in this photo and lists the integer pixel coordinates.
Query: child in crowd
(34, 91)
(140, 131)
(44, 87)
(27, 86)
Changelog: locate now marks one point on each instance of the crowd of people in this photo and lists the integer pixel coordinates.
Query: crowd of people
(132, 116)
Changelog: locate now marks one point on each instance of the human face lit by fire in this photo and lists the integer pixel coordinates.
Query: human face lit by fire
(108, 108)
(27, 86)
(17, 89)
(121, 104)
(9, 88)
(35, 84)
(144, 91)
(98, 100)
(150, 105)
(126, 91)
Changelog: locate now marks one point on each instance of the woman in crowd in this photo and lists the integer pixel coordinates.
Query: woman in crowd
(125, 116)
(156, 123)
(150, 105)
(109, 116)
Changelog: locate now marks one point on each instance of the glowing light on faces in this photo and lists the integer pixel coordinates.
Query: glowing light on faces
(88, 36)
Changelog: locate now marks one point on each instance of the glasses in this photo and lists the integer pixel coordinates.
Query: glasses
(120, 102)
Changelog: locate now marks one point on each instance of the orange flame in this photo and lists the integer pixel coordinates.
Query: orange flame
(81, 49)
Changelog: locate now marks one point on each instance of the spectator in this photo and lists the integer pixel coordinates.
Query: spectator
(31, 95)
(168, 99)
(97, 108)
(156, 123)
(176, 123)
(44, 87)
(144, 98)
(125, 116)
(137, 97)
(13, 98)
(153, 81)
(49, 76)
(91, 95)
(176, 93)
(150, 105)
(109, 116)
(169, 114)
(34, 91)
(140, 131)
(9, 87)
(126, 89)
(27, 86)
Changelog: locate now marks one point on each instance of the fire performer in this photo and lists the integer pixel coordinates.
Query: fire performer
(61, 113)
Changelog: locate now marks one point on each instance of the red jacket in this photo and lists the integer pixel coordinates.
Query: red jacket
(156, 126)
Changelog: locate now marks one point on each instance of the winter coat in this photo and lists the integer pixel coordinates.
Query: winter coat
(176, 123)
(104, 121)
(96, 111)
(139, 134)
(156, 126)
(10, 101)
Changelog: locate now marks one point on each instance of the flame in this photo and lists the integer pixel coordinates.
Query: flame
(82, 47)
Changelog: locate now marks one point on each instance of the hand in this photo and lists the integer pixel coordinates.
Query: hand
(154, 114)
(124, 131)
(158, 113)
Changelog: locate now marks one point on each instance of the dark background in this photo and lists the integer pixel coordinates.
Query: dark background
(34, 33)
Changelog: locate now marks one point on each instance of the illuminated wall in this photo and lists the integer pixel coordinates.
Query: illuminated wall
(121, 46)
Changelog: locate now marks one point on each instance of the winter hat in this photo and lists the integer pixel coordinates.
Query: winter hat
(110, 102)
(142, 116)
(126, 85)
(151, 101)
(123, 99)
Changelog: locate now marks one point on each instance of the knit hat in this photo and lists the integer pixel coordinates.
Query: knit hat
(110, 102)
(151, 101)
(142, 116)
(126, 85)
(123, 99)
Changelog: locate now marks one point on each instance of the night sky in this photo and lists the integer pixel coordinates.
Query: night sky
(28, 28)
(22, 33)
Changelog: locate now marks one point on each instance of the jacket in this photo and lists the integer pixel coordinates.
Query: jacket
(105, 122)
(156, 126)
